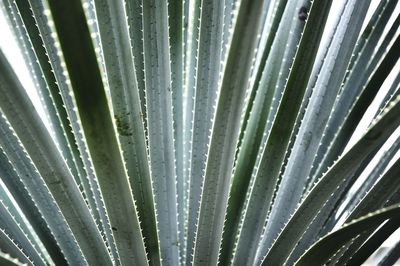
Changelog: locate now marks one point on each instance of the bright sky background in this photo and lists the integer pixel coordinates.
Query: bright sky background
(9, 46)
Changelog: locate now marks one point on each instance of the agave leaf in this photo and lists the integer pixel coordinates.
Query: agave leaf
(391, 94)
(8, 246)
(95, 115)
(263, 111)
(318, 110)
(348, 250)
(232, 208)
(372, 178)
(160, 125)
(7, 260)
(336, 176)
(267, 31)
(185, 33)
(374, 242)
(264, 33)
(282, 126)
(206, 93)
(327, 246)
(197, 132)
(366, 53)
(91, 19)
(228, 24)
(358, 109)
(46, 88)
(135, 21)
(363, 101)
(191, 51)
(191, 31)
(328, 215)
(360, 70)
(124, 92)
(77, 129)
(63, 86)
(66, 138)
(12, 228)
(36, 200)
(186, 134)
(391, 257)
(370, 29)
(30, 129)
(14, 21)
(225, 134)
(175, 21)
(21, 219)
(380, 193)
(184, 214)
(263, 51)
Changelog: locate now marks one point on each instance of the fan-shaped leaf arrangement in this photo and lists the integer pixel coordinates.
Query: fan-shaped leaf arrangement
(200, 132)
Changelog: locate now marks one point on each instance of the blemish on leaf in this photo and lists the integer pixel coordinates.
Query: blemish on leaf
(57, 182)
(303, 13)
(307, 140)
(122, 123)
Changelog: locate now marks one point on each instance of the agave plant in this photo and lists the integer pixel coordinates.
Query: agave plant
(200, 132)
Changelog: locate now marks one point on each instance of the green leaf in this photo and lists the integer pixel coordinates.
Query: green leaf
(104, 149)
(327, 246)
(160, 125)
(127, 111)
(175, 22)
(261, 190)
(191, 35)
(380, 71)
(135, 21)
(374, 242)
(11, 227)
(16, 211)
(45, 85)
(374, 176)
(36, 200)
(205, 94)
(21, 114)
(267, 98)
(44, 42)
(196, 131)
(7, 260)
(391, 94)
(191, 51)
(225, 134)
(380, 193)
(8, 246)
(270, 26)
(329, 214)
(312, 127)
(335, 176)
(360, 69)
